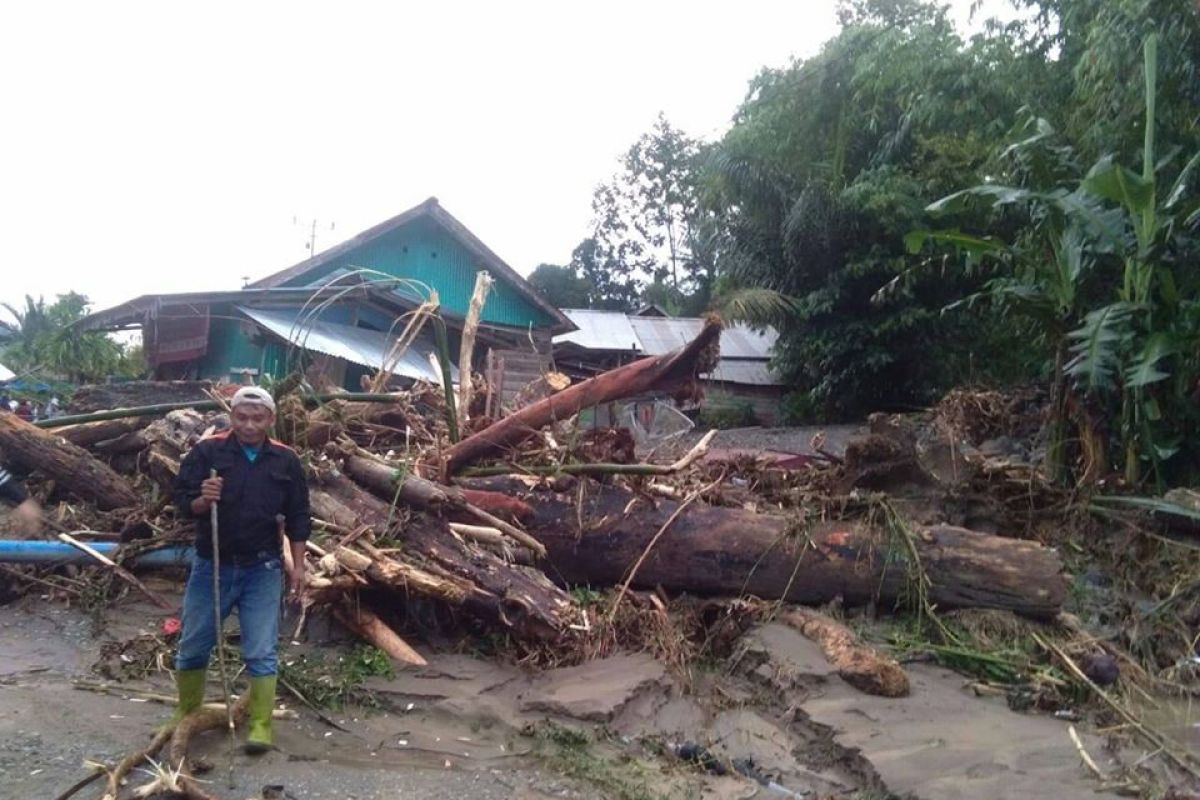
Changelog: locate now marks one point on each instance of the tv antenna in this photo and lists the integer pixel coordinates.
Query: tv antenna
(311, 244)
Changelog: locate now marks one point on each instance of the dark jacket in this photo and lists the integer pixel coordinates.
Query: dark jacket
(11, 488)
(251, 496)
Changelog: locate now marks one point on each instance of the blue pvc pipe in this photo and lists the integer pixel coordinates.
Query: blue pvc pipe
(37, 552)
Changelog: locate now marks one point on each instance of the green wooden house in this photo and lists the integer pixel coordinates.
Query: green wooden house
(337, 314)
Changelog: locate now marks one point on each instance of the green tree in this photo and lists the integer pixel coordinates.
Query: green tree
(563, 287)
(648, 227)
(1103, 264)
(44, 341)
(829, 163)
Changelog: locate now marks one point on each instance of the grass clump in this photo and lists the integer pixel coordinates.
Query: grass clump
(577, 755)
(332, 682)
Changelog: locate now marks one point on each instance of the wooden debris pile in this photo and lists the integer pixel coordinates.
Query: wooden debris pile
(499, 524)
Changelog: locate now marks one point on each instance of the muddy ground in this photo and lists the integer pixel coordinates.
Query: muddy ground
(467, 726)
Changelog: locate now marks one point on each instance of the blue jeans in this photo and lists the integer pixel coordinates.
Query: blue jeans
(256, 590)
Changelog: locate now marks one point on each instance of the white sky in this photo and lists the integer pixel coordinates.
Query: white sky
(163, 147)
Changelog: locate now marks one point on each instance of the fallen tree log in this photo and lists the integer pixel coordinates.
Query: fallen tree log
(712, 550)
(674, 373)
(87, 434)
(69, 465)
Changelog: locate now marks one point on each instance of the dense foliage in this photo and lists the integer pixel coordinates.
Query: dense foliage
(914, 209)
(39, 342)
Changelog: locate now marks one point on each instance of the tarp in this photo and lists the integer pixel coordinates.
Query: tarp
(6, 374)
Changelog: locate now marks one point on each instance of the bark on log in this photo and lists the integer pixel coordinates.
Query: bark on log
(71, 467)
(673, 373)
(87, 434)
(712, 550)
(129, 443)
(857, 663)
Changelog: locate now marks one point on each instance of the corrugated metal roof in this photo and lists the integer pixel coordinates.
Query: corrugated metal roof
(600, 330)
(744, 351)
(359, 345)
(660, 335)
(742, 341)
(749, 371)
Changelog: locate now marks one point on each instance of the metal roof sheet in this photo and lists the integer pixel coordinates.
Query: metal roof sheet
(359, 345)
(749, 371)
(744, 350)
(600, 330)
(742, 341)
(660, 335)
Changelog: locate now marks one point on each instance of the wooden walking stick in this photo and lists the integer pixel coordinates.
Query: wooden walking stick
(216, 548)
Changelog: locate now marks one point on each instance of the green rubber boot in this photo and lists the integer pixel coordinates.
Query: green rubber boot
(262, 704)
(190, 685)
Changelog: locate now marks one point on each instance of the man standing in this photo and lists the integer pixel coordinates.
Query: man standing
(256, 479)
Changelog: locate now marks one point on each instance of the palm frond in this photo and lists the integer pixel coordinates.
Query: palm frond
(756, 306)
(751, 181)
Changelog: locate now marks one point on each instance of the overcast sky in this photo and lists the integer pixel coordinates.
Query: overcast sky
(163, 147)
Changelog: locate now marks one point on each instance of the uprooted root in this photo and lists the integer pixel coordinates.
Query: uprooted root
(176, 775)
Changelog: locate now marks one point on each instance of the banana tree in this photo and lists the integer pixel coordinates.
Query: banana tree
(1139, 346)
(1042, 275)
(1136, 343)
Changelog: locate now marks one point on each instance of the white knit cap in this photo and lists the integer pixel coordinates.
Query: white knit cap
(253, 396)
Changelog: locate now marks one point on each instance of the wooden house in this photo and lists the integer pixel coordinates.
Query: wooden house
(338, 313)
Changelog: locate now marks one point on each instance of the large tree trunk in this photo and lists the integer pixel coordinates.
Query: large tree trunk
(71, 467)
(674, 373)
(711, 550)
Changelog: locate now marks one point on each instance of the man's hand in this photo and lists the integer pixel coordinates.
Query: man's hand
(295, 579)
(27, 517)
(210, 492)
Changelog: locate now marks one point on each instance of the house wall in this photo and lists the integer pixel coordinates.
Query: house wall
(423, 251)
(229, 347)
(767, 401)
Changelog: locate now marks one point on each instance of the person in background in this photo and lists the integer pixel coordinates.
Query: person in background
(257, 478)
(52, 408)
(27, 514)
(24, 410)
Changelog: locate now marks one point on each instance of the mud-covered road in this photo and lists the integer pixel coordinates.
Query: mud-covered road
(465, 727)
